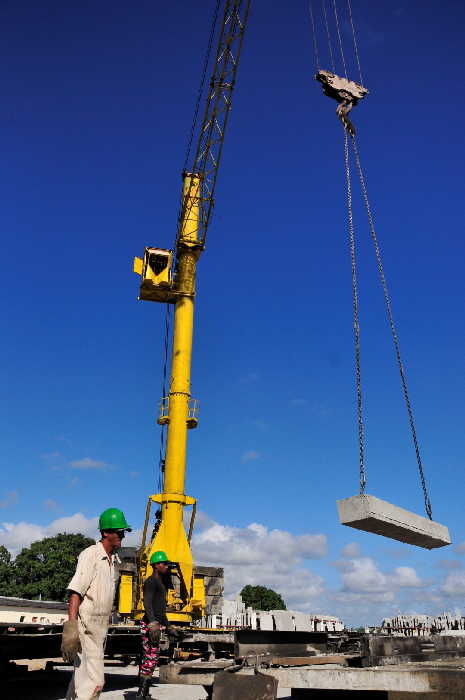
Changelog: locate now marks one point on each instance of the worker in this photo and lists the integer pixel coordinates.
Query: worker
(92, 591)
(154, 620)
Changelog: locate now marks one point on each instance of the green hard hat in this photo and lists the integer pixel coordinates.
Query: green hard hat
(159, 558)
(113, 519)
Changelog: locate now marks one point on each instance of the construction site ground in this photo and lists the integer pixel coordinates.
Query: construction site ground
(120, 684)
(438, 680)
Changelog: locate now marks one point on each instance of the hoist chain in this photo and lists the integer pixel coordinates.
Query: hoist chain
(395, 337)
(353, 259)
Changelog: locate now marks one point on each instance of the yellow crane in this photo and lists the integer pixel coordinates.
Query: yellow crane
(168, 277)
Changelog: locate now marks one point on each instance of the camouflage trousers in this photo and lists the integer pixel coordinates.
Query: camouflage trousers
(150, 652)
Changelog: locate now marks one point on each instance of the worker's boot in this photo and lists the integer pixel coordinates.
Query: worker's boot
(144, 687)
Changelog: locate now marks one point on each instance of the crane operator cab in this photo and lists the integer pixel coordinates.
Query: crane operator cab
(155, 271)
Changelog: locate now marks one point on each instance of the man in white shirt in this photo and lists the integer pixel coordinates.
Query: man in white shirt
(92, 592)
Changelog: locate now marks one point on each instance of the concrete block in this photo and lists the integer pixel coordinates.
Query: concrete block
(371, 514)
(303, 622)
(214, 604)
(283, 620)
(266, 621)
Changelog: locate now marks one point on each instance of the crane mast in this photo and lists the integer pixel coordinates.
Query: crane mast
(169, 276)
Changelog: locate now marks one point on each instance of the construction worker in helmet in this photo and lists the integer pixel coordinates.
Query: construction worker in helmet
(154, 620)
(92, 591)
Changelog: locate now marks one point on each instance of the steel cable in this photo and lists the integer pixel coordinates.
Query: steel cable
(340, 39)
(349, 5)
(330, 46)
(356, 323)
(202, 83)
(395, 337)
(315, 43)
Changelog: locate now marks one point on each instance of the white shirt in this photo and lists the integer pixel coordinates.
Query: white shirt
(95, 580)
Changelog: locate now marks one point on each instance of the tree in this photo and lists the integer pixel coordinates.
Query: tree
(7, 573)
(47, 566)
(261, 598)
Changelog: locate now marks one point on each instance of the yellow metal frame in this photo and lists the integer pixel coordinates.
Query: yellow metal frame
(189, 601)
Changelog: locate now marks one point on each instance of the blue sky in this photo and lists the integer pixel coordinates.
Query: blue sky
(96, 108)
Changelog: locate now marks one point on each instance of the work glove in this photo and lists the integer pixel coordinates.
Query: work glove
(154, 632)
(70, 643)
(174, 632)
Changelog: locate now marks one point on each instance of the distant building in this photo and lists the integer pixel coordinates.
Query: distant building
(234, 613)
(15, 610)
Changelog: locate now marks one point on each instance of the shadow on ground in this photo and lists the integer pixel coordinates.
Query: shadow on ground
(52, 685)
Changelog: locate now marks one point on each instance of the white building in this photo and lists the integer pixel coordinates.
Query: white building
(17, 610)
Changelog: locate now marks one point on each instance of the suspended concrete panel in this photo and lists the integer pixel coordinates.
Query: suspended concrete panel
(371, 514)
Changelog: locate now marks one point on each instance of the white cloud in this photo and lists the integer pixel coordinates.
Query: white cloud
(88, 463)
(405, 577)
(351, 550)
(15, 536)
(362, 575)
(450, 564)
(250, 456)
(10, 499)
(133, 539)
(259, 556)
(454, 584)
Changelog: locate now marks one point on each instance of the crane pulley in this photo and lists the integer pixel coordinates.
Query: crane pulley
(346, 92)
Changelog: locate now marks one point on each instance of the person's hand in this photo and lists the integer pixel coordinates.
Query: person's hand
(154, 632)
(70, 643)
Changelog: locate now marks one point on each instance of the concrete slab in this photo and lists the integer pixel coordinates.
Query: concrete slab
(283, 620)
(434, 678)
(302, 622)
(266, 622)
(371, 514)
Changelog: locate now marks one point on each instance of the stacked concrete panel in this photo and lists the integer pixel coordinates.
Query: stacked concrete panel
(213, 578)
(234, 613)
(421, 625)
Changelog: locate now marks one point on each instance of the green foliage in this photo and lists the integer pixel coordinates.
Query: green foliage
(262, 598)
(42, 570)
(7, 580)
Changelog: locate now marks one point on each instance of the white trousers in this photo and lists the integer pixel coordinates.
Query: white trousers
(88, 678)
